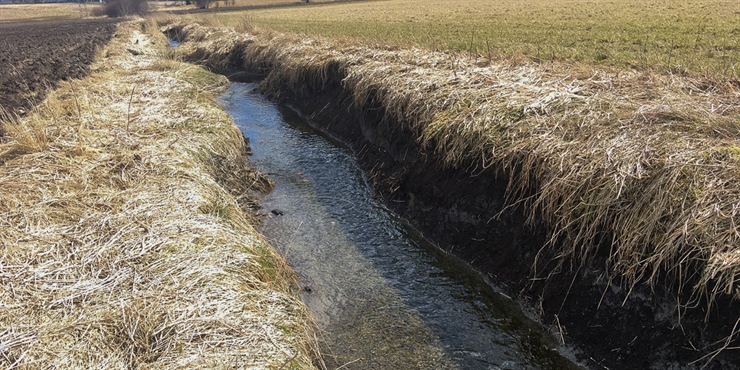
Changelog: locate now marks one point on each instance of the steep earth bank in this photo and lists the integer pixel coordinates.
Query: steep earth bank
(466, 213)
(469, 206)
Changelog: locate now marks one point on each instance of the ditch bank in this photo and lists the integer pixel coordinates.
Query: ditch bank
(125, 227)
(603, 202)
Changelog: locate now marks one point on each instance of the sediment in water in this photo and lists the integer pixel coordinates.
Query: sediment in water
(612, 218)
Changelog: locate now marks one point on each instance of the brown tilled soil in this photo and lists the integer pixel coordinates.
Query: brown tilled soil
(37, 55)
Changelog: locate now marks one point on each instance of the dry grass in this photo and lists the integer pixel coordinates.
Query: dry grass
(33, 12)
(121, 247)
(180, 5)
(696, 37)
(644, 165)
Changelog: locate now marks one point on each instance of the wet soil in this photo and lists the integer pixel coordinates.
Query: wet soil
(464, 210)
(36, 56)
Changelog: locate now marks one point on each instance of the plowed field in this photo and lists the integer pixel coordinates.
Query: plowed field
(35, 56)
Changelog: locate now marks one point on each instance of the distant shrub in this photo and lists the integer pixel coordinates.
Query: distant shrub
(122, 8)
(203, 4)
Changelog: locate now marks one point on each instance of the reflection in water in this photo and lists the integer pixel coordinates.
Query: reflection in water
(382, 300)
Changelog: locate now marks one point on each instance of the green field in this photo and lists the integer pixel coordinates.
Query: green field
(701, 37)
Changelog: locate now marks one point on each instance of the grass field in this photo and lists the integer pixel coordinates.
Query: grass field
(218, 4)
(31, 12)
(695, 36)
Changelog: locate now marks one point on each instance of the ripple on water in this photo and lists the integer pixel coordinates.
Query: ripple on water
(381, 298)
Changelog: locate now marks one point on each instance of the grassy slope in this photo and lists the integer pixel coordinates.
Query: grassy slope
(645, 163)
(124, 245)
(699, 36)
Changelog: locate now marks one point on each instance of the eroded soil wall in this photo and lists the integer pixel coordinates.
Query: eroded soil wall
(466, 211)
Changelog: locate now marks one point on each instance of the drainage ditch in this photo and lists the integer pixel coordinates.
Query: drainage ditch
(382, 295)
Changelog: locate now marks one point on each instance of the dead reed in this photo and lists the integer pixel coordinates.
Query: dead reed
(644, 165)
(123, 243)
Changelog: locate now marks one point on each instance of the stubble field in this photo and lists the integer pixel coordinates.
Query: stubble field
(698, 37)
(36, 12)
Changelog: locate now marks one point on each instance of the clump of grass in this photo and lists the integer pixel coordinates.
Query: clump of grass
(124, 243)
(28, 137)
(641, 164)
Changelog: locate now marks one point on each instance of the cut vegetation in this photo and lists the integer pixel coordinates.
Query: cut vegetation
(125, 243)
(632, 173)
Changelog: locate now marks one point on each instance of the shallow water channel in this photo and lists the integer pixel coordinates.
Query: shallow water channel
(383, 296)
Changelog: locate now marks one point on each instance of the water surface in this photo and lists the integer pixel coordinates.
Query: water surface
(381, 294)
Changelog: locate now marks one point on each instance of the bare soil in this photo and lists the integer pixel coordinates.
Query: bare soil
(36, 56)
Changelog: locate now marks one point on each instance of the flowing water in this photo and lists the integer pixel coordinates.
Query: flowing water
(383, 296)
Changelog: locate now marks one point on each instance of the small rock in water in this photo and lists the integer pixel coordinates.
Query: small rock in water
(277, 212)
(307, 289)
(247, 145)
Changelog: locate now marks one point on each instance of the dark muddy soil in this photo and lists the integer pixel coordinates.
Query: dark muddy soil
(464, 211)
(35, 56)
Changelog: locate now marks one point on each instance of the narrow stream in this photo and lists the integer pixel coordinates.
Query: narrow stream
(383, 296)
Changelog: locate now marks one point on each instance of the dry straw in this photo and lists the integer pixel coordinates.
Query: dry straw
(123, 239)
(642, 165)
